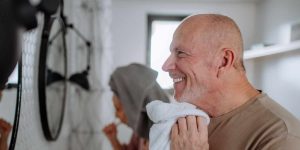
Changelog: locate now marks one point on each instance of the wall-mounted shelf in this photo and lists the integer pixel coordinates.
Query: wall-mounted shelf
(270, 50)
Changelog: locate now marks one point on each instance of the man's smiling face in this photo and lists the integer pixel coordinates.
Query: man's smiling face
(190, 66)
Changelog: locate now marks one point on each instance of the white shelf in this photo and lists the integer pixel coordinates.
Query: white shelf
(270, 50)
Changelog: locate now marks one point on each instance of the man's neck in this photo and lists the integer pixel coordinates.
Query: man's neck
(227, 100)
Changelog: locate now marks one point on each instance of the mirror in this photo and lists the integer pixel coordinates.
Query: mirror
(52, 76)
(11, 103)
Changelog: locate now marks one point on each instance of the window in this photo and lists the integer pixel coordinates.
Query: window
(13, 78)
(160, 33)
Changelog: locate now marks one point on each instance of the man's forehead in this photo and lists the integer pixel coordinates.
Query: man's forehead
(181, 44)
(196, 21)
(193, 30)
(177, 43)
(182, 37)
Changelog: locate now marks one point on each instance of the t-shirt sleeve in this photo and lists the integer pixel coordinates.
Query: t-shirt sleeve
(284, 142)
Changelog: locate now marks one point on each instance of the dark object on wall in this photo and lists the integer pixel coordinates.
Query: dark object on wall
(8, 42)
(49, 7)
(17, 109)
(25, 12)
(9, 57)
(81, 78)
(52, 76)
(16, 14)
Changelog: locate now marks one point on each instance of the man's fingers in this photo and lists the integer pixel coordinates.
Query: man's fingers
(202, 127)
(174, 131)
(186, 136)
(192, 123)
(182, 125)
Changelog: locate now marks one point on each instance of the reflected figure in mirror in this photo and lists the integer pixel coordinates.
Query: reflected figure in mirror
(133, 86)
(5, 129)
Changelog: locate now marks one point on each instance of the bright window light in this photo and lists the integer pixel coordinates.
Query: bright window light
(161, 37)
(13, 78)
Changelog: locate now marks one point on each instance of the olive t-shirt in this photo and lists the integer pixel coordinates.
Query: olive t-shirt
(259, 124)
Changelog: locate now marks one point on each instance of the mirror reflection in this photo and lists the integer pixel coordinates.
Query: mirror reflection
(53, 71)
(56, 69)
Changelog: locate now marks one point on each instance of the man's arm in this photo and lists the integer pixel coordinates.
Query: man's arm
(189, 133)
(284, 141)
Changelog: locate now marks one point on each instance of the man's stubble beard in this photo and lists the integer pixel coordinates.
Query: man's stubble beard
(191, 95)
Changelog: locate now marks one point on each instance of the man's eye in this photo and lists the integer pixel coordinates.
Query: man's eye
(181, 54)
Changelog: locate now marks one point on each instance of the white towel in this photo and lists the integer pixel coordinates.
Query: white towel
(164, 115)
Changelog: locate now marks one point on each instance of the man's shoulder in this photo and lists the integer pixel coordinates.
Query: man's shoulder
(280, 115)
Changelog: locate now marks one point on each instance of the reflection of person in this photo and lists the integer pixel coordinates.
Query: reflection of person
(5, 129)
(206, 64)
(133, 86)
(8, 58)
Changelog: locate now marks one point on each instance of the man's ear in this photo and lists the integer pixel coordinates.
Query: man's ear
(227, 57)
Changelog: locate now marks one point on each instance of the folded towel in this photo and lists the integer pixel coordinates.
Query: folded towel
(164, 115)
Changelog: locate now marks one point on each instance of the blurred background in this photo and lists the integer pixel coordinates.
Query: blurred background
(126, 31)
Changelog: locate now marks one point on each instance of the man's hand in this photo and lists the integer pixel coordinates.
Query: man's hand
(189, 133)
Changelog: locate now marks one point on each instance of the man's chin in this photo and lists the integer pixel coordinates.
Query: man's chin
(180, 98)
(177, 97)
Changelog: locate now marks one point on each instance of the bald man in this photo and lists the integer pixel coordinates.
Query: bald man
(206, 65)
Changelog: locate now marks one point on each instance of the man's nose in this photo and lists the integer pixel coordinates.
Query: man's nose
(169, 64)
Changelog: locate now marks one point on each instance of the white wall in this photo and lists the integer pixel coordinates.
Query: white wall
(272, 16)
(30, 134)
(86, 112)
(278, 75)
(129, 23)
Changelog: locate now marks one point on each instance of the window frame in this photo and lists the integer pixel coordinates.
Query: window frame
(150, 19)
